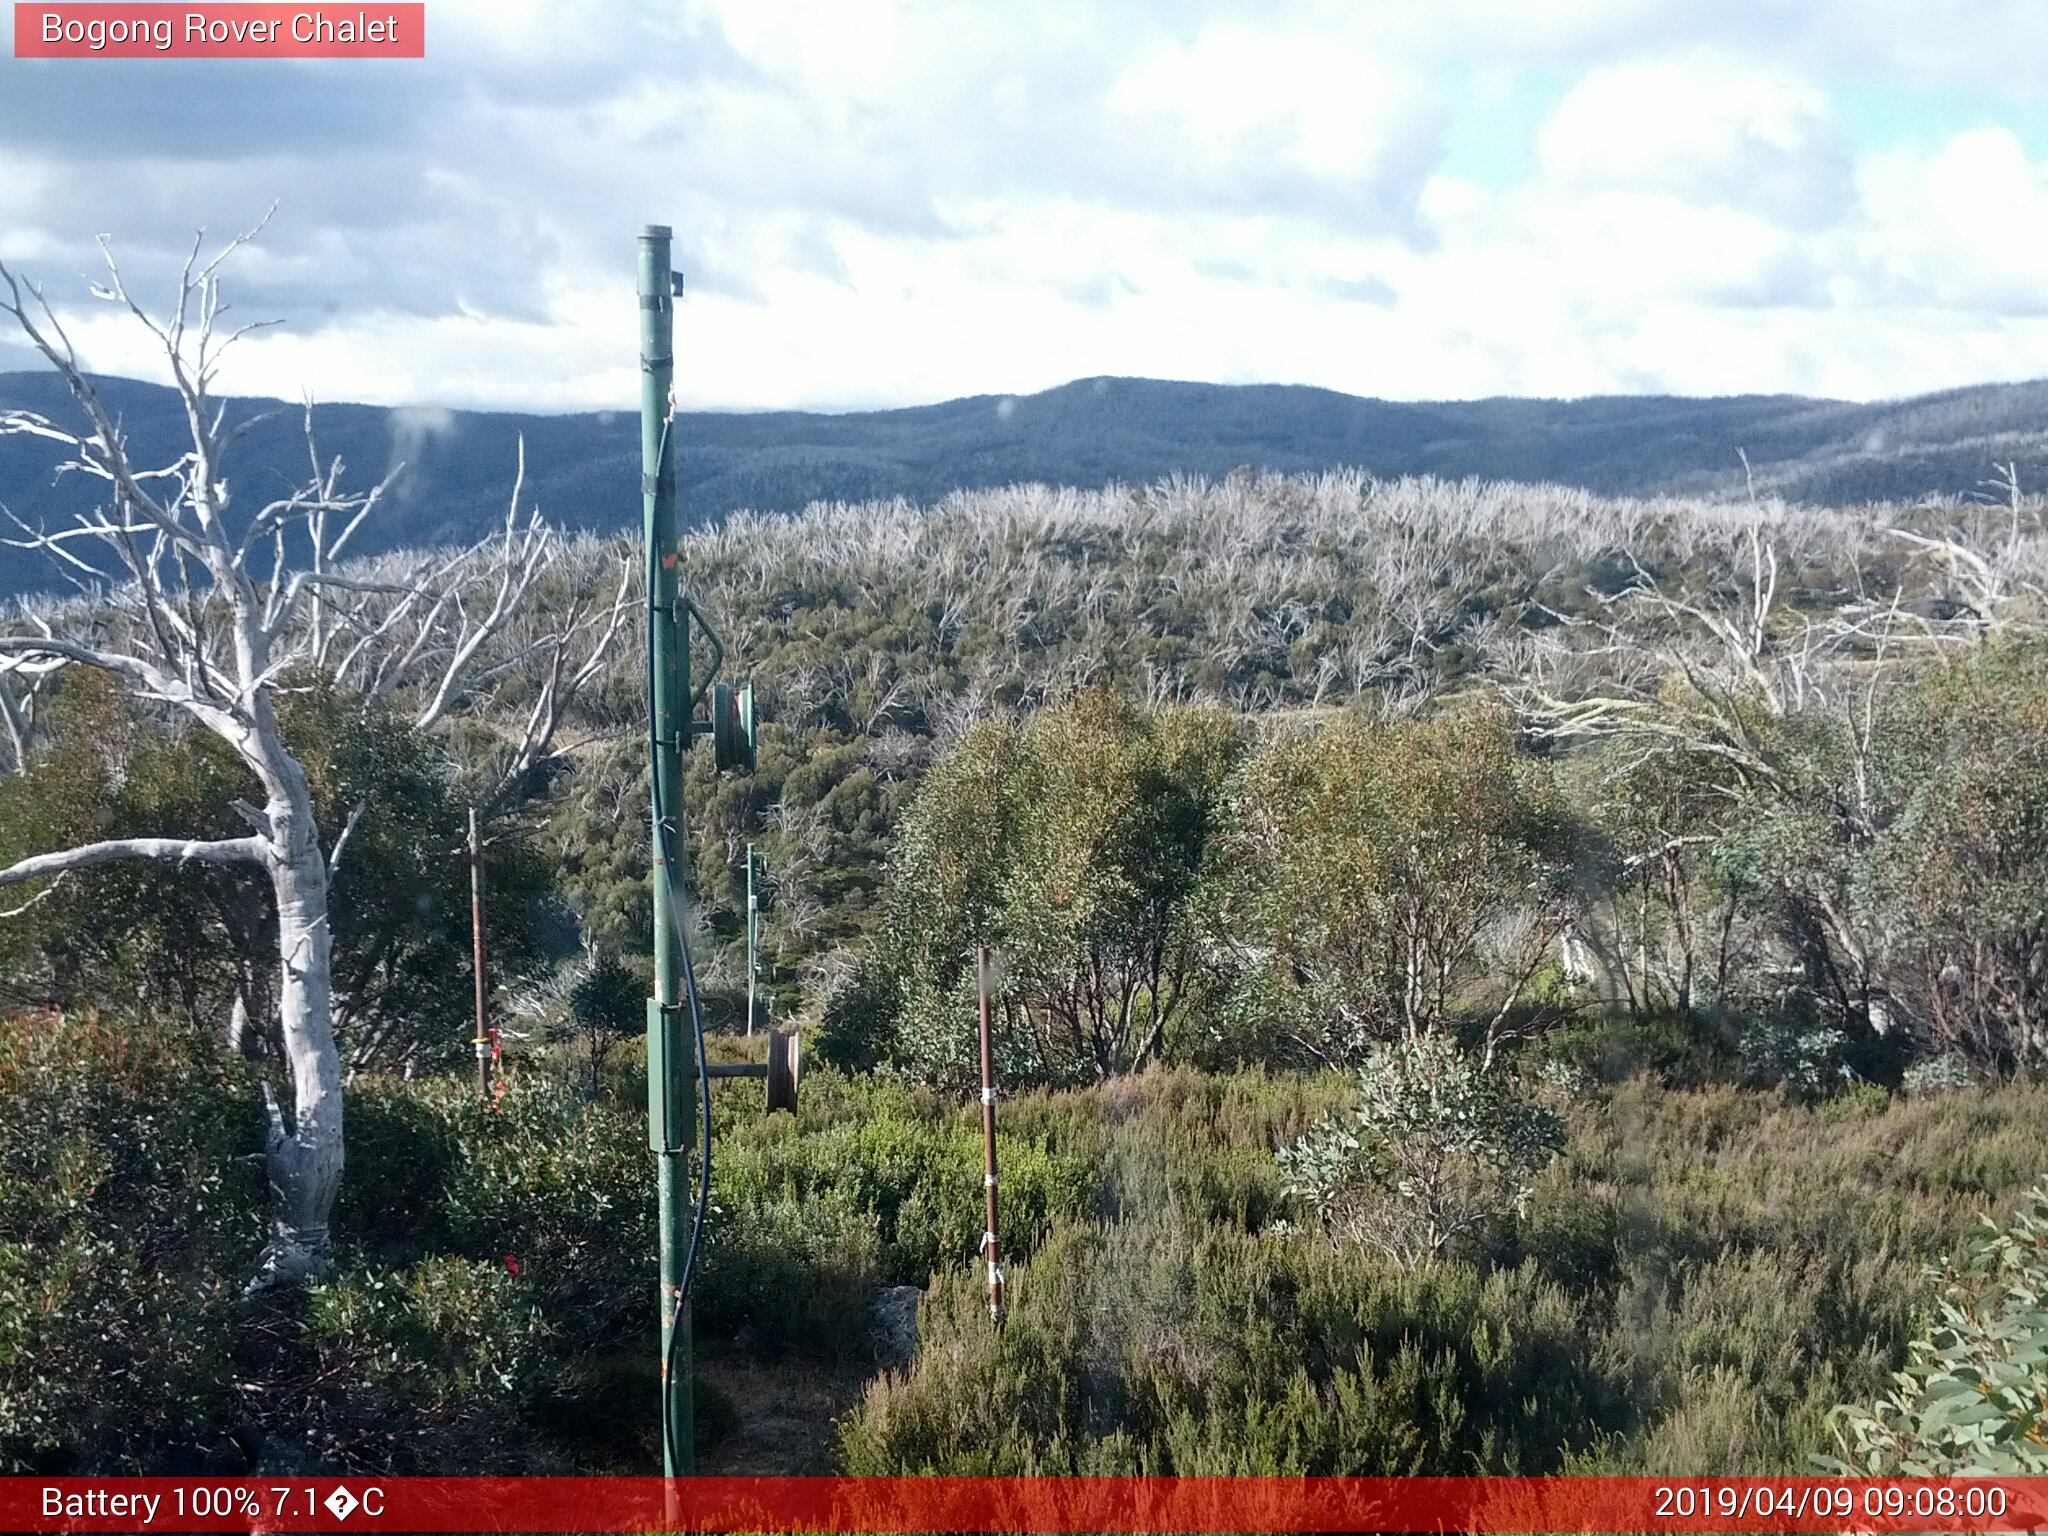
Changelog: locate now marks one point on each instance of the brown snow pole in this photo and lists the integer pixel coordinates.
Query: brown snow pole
(482, 1042)
(988, 1143)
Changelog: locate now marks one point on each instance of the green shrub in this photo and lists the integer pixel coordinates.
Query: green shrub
(562, 1186)
(1807, 1059)
(1677, 1052)
(1140, 1349)
(127, 1215)
(790, 1273)
(1973, 1398)
(409, 1136)
(1938, 1074)
(876, 1183)
(433, 1367)
(1437, 1147)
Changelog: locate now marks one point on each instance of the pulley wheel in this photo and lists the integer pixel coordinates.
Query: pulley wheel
(732, 726)
(785, 1066)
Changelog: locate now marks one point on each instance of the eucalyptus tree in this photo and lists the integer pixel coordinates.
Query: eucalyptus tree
(220, 610)
(1073, 844)
(1798, 719)
(1376, 881)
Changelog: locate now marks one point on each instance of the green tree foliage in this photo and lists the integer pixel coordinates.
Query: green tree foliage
(606, 1004)
(139, 935)
(404, 987)
(1671, 929)
(157, 936)
(1903, 851)
(1437, 1146)
(1381, 881)
(1973, 1398)
(1073, 846)
(1960, 874)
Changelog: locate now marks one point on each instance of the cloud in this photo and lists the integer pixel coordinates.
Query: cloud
(1269, 119)
(894, 201)
(413, 427)
(1707, 130)
(1960, 228)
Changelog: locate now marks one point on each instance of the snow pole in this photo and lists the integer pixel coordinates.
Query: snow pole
(482, 1042)
(990, 1248)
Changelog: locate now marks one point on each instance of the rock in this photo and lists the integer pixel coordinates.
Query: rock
(894, 1311)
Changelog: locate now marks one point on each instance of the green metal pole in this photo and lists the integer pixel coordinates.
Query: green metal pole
(752, 909)
(671, 1066)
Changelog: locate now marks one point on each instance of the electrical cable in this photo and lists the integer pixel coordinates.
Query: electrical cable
(664, 833)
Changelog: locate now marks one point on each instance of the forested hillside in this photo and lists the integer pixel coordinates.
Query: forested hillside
(1492, 979)
(1091, 433)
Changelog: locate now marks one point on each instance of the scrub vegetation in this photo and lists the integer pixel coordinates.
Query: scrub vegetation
(1489, 979)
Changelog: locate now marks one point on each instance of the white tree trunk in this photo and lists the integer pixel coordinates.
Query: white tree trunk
(303, 1157)
(211, 635)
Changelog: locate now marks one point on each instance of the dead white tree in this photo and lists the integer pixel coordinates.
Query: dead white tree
(217, 613)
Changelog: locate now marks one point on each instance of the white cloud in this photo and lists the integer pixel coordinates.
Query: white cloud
(1962, 228)
(1247, 102)
(891, 201)
(1705, 128)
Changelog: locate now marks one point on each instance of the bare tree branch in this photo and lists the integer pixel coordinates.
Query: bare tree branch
(233, 850)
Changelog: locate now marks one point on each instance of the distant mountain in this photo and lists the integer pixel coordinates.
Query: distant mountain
(584, 470)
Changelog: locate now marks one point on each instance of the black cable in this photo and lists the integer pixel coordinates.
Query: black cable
(664, 834)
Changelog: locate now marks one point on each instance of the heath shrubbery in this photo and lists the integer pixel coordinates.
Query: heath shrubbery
(435, 1366)
(1686, 1290)
(127, 1212)
(874, 1183)
(1142, 1347)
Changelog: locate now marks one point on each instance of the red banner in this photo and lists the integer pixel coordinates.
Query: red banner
(929, 1504)
(150, 30)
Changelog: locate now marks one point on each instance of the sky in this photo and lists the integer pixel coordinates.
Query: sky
(890, 202)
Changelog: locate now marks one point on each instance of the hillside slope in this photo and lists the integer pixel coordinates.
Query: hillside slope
(584, 469)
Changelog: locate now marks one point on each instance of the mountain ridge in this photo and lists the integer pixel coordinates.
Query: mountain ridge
(583, 468)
